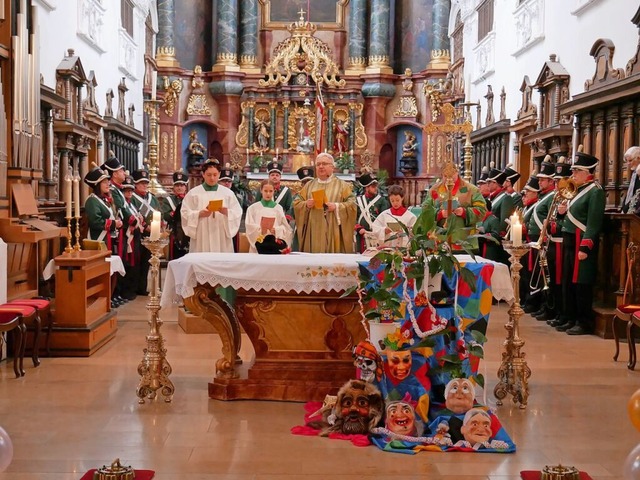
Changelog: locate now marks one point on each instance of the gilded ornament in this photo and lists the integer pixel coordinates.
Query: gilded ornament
(114, 472)
(379, 61)
(361, 136)
(302, 53)
(226, 58)
(172, 93)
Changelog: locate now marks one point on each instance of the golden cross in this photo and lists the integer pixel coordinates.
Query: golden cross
(302, 12)
(450, 129)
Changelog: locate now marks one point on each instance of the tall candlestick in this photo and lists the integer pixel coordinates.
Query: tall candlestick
(247, 156)
(67, 194)
(154, 84)
(76, 195)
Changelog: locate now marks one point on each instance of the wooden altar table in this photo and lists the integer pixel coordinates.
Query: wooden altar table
(291, 309)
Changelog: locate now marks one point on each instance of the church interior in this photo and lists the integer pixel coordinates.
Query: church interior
(171, 383)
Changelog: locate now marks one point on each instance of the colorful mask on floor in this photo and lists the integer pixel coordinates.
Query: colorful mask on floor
(357, 410)
(399, 363)
(476, 427)
(459, 395)
(368, 362)
(400, 418)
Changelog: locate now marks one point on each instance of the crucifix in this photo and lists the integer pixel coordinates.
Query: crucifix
(302, 12)
(451, 129)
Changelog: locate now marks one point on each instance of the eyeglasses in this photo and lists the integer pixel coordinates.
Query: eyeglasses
(321, 164)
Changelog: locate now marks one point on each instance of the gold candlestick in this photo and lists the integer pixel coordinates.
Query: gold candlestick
(151, 108)
(155, 368)
(514, 372)
(76, 247)
(69, 247)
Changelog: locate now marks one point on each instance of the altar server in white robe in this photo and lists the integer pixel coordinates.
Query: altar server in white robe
(211, 213)
(257, 222)
(386, 228)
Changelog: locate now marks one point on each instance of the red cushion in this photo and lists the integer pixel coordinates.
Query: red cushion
(24, 310)
(41, 303)
(636, 315)
(630, 308)
(6, 317)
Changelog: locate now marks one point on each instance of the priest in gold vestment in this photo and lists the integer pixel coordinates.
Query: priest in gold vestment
(325, 211)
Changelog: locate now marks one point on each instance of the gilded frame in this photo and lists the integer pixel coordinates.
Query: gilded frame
(278, 5)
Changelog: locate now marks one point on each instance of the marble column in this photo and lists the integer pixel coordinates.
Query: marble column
(272, 125)
(440, 54)
(285, 122)
(379, 34)
(248, 34)
(166, 50)
(330, 107)
(358, 35)
(227, 35)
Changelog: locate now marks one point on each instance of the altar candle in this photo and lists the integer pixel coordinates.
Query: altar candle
(467, 90)
(76, 195)
(154, 84)
(277, 150)
(247, 156)
(155, 227)
(67, 194)
(516, 234)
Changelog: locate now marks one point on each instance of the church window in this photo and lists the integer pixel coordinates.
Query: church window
(126, 16)
(485, 18)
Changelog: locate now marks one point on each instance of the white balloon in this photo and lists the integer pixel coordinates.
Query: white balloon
(631, 468)
(6, 450)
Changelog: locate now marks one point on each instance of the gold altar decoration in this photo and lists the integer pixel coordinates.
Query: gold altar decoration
(560, 472)
(166, 57)
(366, 161)
(302, 53)
(154, 367)
(514, 372)
(407, 105)
(151, 108)
(116, 471)
(237, 160)
(454, 124)
(242, 136)
(172, 92)
(298, 115)
(198, 104)
(361, 139)
(434, 91)
(440, 59)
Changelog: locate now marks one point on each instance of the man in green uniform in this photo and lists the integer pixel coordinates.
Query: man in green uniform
(502, 204)
(178, 242)
(529, 291)
(542, 303)
(510, 183)
(559, 281)
(581, 228)
(370, 205)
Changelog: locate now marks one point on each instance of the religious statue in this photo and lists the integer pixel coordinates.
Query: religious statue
(341, 136)
(305, 142)
(195, 150)
(408, 161)
(261, 133)
(410, 145)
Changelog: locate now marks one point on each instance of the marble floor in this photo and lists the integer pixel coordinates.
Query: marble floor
(73, 414)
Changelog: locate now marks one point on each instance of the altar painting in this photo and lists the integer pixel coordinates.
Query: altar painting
(324, 13)
(414, 34)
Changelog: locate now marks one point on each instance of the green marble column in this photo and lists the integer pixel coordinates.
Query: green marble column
(379, 34)
(358, 35)
(440, 53)
(272, 127)
(165, 42)
(249, 33)
(285, 122)
(227, 33)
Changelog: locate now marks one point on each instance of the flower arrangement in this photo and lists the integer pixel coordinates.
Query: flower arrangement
(257, 162)
(345, 162)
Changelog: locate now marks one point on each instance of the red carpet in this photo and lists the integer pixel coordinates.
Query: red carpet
(140, 474)
(535, 475)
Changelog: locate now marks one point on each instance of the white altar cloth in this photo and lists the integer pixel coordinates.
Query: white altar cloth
(297, 272)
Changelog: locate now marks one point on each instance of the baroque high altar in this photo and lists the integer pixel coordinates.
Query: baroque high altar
(268, 78)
